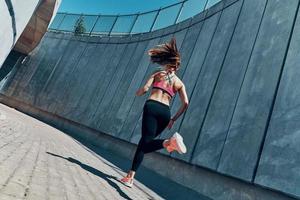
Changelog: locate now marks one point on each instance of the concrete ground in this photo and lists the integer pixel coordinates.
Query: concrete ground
(39, 162)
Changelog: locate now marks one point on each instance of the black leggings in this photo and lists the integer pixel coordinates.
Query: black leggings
(156, 116)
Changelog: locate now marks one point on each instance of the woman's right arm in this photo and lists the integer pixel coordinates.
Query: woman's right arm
(147, 85)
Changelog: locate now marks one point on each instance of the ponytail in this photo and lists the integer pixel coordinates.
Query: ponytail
(165, 54)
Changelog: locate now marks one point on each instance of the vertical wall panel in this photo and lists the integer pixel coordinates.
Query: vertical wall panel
(98, 63)
(251, 114)
(24, 73)
(207, 78)
(62, 70)
(104, 81)
(41, 75)
(79, 77)
(85, 87)
(111, 121)
(67, 78)
(279, 166)
(113, 85)
(103, 64)
(216, 124)
(50, 62)
(26, 85)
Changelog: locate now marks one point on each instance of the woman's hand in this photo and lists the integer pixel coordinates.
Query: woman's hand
(171, 122)
(140, 92)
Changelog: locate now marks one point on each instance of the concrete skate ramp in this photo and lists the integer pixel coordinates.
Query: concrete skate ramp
(240, 64)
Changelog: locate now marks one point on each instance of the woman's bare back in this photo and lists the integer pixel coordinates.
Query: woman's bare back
(159, 95)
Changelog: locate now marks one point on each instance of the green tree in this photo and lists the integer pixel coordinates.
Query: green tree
(79, 27)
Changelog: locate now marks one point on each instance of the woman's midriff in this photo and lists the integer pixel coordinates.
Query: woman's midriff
(158, 95)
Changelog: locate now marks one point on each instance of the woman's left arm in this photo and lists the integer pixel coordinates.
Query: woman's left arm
(141, 91)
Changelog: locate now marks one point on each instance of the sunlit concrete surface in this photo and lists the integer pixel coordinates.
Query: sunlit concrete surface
(40, 162)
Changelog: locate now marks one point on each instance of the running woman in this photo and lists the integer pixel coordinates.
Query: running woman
(156, 112)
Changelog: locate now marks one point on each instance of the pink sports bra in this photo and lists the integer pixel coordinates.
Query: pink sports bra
(160, 85)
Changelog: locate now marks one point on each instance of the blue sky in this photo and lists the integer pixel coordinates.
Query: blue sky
(112, 6)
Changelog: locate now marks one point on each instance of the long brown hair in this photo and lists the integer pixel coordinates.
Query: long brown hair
(166, 54)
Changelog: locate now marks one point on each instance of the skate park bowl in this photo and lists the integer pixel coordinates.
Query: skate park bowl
(240, 68)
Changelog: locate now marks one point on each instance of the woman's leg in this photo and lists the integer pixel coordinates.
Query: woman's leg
(162, 122)
(152, 126)
(156, 144)
(155, 120)
(149, 126)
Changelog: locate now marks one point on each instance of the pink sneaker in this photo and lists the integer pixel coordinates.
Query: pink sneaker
(127, 181)
(176, 142)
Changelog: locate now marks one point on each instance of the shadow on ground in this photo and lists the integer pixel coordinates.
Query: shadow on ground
(96, 172)
(162, 186)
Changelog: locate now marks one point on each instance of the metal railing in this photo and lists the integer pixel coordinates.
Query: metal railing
(129, 24)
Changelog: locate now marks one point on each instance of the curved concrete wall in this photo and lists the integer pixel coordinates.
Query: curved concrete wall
(240, 69)
(23, 23)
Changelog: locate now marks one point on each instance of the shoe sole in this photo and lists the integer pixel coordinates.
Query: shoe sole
(125, 183)
(179, 142)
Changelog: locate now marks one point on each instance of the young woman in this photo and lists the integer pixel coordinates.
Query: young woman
(156, 111)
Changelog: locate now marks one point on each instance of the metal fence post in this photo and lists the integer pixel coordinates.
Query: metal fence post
(158, 11)
(205, 5)
(113, 25)
(62, 21)
(98, 16)
(179, 12)
(137, 15)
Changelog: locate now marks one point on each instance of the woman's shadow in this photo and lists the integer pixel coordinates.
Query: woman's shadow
(95, 172)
